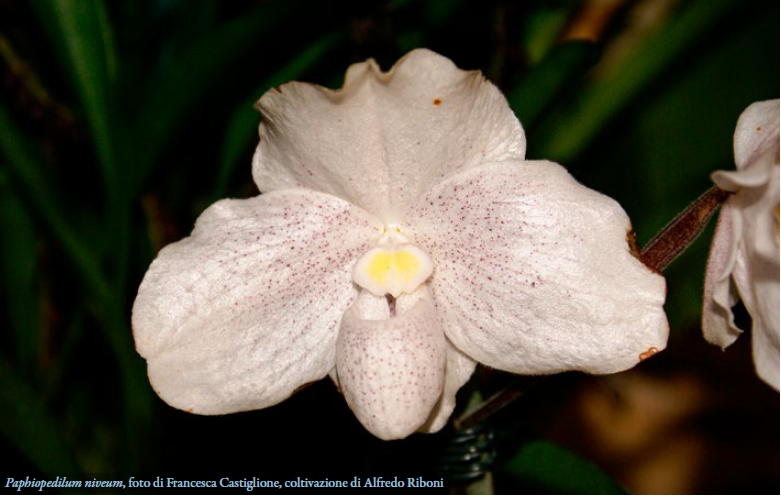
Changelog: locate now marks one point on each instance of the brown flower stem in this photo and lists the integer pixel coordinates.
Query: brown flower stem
(513, 391)
(674, 238)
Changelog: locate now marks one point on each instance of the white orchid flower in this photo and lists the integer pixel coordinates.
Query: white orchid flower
(744, 258)
(401, 238)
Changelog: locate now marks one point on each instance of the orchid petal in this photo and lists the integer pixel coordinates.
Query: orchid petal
(458, 371)
(756, 273)
(247, 309)
(764, 343)
(745, 249)
(720, 295)
(755, 174)
(533, 273)
(391, 371)
(757, 132)
(384, 138)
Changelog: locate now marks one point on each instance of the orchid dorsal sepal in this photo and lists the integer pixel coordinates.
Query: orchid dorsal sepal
(392, 269)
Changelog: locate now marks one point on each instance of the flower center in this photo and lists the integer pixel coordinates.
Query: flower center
(392, 268)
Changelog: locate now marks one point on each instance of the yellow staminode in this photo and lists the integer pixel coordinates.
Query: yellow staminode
(407, 264)
(379, 267)
(392, 270)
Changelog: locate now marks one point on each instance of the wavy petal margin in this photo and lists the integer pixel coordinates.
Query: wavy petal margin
(383, 139)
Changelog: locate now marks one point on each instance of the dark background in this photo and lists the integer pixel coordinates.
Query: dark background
(121, 121)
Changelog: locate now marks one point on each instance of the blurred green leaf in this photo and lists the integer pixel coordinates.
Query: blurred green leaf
(542, 84)
(19, 276)
(438, 11)
(22, 161)
(26, 424)
(82, 37)
(190, 20)
(67, 355)
(196, 17)
(557, 470)
(543, 26)
(598, 104)
(242, 127)
(109, 43)
(177, 90)
(136, 392)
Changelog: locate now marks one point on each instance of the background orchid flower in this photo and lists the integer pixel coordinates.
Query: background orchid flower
(401, 238)
(744, 258)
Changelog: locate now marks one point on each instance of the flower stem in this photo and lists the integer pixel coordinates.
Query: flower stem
(513, 391)
(674, 238)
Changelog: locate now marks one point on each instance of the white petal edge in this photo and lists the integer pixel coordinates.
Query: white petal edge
(392, 371)
(533, 273)
(756, 273)
(757, 131)
(384, 138)
(755, 174)
(720, 295)
(247, 309)
(766, 354)
(458, 371)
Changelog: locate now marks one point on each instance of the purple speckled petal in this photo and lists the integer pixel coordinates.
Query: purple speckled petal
(247, 309)
(392, 371)
(533, 273)
(384, 138)
(458, 371)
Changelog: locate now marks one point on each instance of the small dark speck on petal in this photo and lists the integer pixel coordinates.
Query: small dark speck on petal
(437, 101)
